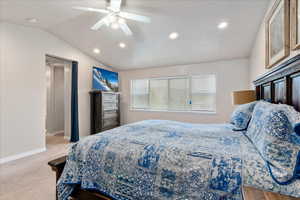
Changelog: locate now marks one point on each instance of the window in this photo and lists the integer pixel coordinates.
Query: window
(140, 90)
(190, 93)
(178, 94)
(158, 94)
(203, 93)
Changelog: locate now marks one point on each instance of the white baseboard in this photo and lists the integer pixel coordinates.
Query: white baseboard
(67, 137)
(55, 133)
(21, 155)
(80, 137)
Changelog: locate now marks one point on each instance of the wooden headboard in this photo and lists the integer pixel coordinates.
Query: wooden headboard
(281, 84)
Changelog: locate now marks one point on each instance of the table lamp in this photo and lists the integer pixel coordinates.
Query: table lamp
(243, 97)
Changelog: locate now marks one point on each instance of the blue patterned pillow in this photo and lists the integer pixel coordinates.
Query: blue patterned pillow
(257, 121)
(271, 130)
(241, 116)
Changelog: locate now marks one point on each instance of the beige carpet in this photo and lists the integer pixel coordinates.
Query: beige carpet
(31, 178)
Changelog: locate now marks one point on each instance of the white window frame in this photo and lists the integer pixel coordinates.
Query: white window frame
(190, 110)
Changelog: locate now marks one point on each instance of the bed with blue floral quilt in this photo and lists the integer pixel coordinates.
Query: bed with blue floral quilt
(158, 159)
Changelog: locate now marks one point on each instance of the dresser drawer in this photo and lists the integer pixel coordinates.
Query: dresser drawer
(110, 106)
(108, 97)
(110, 122)
(110, 114)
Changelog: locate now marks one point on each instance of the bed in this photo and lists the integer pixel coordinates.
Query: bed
(158, 159)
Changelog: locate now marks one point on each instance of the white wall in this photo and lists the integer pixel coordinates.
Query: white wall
(231, 75)
(55, 99)
(23, 86)
(258, 53)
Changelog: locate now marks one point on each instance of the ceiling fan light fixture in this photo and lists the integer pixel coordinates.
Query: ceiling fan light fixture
(113, 19)
(113, 9)
(115, 26)
(121, 21)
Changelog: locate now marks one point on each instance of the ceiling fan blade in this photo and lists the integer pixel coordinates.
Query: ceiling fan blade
(98, 24)
(92, 9)
(135, 17)
(101, 22)
(115, 5)
(125, 28)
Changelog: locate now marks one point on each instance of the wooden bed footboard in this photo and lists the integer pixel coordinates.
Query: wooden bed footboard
(57, 166)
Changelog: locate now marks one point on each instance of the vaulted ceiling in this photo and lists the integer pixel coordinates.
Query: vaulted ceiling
(196, 21)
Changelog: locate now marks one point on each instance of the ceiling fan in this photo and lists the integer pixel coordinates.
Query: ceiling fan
(115, 18)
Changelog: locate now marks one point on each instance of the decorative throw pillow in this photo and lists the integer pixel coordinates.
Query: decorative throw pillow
(241, 116)
(294, 117)
(271, 130)
(257, 121)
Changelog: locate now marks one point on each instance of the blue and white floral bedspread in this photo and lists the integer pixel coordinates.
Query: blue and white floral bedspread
(158, 160)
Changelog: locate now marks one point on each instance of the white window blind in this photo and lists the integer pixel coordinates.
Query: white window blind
(158, 94)
(178, 94)
(190, 93)
(139, 94)
(203, 93)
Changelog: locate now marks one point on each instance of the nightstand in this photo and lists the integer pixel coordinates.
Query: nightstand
(256, 194)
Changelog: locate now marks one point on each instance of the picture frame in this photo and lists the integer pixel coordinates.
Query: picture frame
(105, 80)
(278, 33)
(295, 24)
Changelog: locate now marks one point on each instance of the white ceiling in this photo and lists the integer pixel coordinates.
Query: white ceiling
(195, 20)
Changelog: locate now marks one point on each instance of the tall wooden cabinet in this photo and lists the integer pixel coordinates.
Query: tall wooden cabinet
(105, 111)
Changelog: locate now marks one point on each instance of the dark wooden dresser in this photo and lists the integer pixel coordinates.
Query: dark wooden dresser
(105, 111)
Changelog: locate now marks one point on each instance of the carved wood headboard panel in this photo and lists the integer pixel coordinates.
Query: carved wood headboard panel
(281, 84)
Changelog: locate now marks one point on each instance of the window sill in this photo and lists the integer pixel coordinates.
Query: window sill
(175, 111)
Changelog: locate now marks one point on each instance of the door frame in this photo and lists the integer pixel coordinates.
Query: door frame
(67, 93)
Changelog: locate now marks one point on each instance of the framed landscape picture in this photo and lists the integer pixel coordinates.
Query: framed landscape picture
(295, 24)
(278, 33)
(105, 80)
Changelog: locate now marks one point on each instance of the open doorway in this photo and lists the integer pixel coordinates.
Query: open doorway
(58, 109)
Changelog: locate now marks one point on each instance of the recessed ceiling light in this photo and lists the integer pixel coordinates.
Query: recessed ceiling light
(96, 51)
(223, 25)
(32, 20)
(122, 45)
(173, 36)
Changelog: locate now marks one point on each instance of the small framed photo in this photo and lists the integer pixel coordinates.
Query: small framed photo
(295, 24)
(278, 33)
